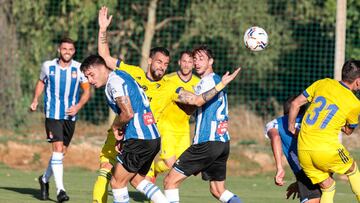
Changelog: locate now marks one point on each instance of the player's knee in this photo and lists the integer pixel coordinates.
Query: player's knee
(169, 182)
(352, 168)
(327, 183)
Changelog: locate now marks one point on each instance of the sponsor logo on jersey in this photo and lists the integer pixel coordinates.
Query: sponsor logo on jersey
(74, 74)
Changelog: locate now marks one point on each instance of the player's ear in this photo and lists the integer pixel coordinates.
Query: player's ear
(149, 60)
(211, 61)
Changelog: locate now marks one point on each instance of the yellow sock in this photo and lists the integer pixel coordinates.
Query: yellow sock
(327, 195)
(100, 191)
(354, 179)
(161, 167)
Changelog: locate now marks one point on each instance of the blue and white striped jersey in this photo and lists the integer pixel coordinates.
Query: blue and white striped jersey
(142, 126)
(288, 141)
(62, 88)
(212, 117)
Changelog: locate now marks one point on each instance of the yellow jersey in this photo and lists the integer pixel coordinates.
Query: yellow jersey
(172, 117)
(154, 90)
(333, 105)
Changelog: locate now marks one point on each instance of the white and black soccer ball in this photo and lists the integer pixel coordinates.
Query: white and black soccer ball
(256, 39)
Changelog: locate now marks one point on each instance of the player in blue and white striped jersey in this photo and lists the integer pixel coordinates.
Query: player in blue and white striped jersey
(61, 79)
(210, 149)
(134, 126)
(284, 142)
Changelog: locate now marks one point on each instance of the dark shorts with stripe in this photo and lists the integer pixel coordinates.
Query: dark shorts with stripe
(137, 155)
(59, 130)
(209, 158)
(307, 190)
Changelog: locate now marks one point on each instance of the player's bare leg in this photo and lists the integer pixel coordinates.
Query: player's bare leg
(328, 187)
(218, 190)
(171, 185)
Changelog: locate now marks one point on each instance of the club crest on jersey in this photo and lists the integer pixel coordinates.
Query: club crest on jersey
(52, 72)
(144, 87)
(74, 74)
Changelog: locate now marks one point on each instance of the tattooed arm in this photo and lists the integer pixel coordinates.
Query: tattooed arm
(123, 102)
(189, 98)
(103, 47)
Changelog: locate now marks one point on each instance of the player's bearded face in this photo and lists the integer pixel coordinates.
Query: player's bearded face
(158, 65)
(186, 64)
(67, 51)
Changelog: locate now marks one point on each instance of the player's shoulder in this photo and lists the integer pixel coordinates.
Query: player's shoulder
(171, 76)
(52, 62)
(76, 64)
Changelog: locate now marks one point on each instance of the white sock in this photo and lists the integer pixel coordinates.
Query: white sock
(121, 195)
(226, 196)
(57, 168)
(151, 191)
(48, 173)
(172, 195)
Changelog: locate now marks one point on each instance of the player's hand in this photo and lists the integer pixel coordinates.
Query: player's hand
(292, 190)
(104, 20)
(118, 133)
(33, 106)
(72, 111)
(292, 129)
(227, 77)
(279, 177)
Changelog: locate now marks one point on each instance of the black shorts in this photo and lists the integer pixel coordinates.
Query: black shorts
(307, 190)
(209, 158)
(59, 130)
(137, 155)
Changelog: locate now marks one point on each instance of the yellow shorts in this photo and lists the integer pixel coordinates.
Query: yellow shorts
(319, 165)
(173, 144)
(108, 152)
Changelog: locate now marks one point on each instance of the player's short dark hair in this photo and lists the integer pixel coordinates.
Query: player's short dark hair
(350, 70)
(205, 49)
(90, 61)
(287, 105)
(162, 50)
(188, 52)
(67, 40)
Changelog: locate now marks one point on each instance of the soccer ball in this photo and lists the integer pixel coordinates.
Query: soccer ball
(256, 39)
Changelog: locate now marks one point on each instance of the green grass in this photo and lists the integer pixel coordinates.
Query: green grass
(22, 187)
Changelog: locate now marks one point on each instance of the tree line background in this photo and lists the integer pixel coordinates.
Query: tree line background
(300, 50)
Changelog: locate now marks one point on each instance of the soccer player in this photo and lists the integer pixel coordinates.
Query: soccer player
(282, 141)
(141, 139)
(61, 79)
(152, 81)
(333, 107)
(173, 122)
(210, 149)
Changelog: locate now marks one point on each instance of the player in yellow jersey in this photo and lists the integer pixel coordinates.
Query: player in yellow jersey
(173, 122)
(151, 81)
(333, 107)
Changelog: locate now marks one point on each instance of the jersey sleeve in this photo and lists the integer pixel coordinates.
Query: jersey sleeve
(43, 72)
(116, 88)
(353, 118)
(134, 71)
(309, 93)
(83, 79)
(270, 125)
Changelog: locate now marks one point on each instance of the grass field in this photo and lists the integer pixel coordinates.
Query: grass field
(22, 187)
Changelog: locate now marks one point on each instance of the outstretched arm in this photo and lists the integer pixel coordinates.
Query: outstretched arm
(294, 110)
(103, 47)
(189, 98)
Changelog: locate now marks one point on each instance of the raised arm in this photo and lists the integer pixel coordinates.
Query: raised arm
(294, 110)
(39, 88)
(103, 47)
(189, 98)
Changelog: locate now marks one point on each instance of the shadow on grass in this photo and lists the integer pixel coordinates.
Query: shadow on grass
(26, 191)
